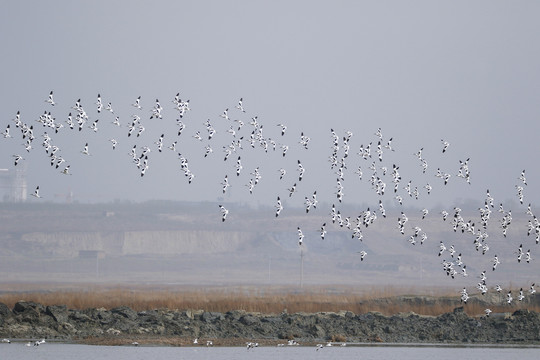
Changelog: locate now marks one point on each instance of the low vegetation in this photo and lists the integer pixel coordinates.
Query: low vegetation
(387, 301)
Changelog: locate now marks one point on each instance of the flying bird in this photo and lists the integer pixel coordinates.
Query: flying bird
(99, 104)
(17, 159)
(50, 99)
(36, 193)
(323, 230)
(283, 129)
(225, 184)
(224, 213)
(137, 103)
(240, 106)
(85, 150)
(279, 206)
(446, 144)
(300, 236)
(362, 255)
(66, 170)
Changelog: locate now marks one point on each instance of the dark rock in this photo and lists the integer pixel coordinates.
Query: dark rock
(27, 306)
(211, 317)
(126, 312)
(249, 320)
(28, 312)
(31, 320)
(58, 312)
(79, 317)
(4, 311)
(272, 320)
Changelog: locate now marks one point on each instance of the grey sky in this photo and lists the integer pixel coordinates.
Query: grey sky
(422, 71)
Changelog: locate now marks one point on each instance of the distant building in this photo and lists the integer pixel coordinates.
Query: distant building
(13, 185)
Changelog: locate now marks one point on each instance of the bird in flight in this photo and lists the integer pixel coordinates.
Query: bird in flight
(50, 99)
(36, 193)
(279, 206)
(300, 236)
(137, 103)
(224, 213)
(240, 106)
(446, 144)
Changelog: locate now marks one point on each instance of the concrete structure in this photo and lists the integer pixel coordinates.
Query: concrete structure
(13, 185)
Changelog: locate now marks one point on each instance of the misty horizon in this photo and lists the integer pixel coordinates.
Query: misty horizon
(432, 106)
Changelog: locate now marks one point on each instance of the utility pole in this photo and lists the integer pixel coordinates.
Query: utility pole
(269, 263)
(301, 267)
(97, 265)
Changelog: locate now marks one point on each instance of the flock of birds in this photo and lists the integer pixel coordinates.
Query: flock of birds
(246, 132)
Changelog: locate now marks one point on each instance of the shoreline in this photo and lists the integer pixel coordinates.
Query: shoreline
(123, 326)
(175, 342)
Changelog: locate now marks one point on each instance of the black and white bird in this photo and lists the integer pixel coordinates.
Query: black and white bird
(85, 150)
(509, 298)
(283, 128)
(446, 144)
(159, 142)
(50, 99)
(323, 231)
(495, 262)
(137, 103)
(225, 114)
(224, 213)
(240, 106)
(279, 206)
(17, 159)
(522, 177)
(292, 190)
(239, 166)
(284, 149)
(94, 126)
(99, 104)
(109, 108)
(301, 171)
(442, 248)
(251, 186)
(36, 193)
(300, 236)
(6, 133)
(66, 170)
(520, 295)
(308, 204)
(225, 184)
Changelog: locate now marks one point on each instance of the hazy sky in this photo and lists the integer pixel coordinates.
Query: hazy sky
(423, 71)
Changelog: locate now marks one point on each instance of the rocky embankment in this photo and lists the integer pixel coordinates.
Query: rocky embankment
(32, 320)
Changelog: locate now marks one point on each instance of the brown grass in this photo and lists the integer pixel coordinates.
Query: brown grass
(266, 300)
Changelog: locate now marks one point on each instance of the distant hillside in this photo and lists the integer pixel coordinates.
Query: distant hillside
(187, 243)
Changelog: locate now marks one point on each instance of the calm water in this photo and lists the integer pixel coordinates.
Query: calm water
(86, 352)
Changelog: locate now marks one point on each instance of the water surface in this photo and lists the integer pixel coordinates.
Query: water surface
(58, 351)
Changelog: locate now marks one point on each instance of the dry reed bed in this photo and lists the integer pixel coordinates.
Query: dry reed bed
(384, 301)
